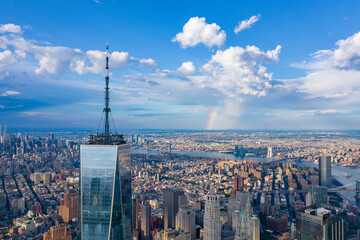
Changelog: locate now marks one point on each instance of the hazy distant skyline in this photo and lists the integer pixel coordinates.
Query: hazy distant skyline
(186, 65)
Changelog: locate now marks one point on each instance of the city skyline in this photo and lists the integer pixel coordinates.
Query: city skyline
(238, 66)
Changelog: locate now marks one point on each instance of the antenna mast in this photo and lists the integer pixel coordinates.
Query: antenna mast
(107, 109)
(107, 138)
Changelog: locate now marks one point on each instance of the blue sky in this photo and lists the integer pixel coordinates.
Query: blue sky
(181, 65)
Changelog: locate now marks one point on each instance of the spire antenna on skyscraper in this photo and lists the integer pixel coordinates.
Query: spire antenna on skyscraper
(107, 137)
(107, 98)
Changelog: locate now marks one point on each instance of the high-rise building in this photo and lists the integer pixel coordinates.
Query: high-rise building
(325, 170)
(36, 209)
(244, 223)
(69, 207)
(319, 195)
(135, 215)
(145, 221)
(105, 182)
(269, 152)
(321, 223)
(308, 199)
(185, 221)
(183, 200)
(171, 207)
(254, 228)
(238, 201)
(238, 183)
(59, 232)
(47, 178)
(212, 221)
(37, 178)
(242, 227)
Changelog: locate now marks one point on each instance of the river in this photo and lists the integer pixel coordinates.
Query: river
(338, 172)
(201, 154)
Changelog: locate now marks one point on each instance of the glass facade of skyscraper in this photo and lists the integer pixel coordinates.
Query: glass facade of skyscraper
(105, 192)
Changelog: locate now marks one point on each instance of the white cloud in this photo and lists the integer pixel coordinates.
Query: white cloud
(53, 60)
(245, 24)
(6, 57)
(34, 114)
(345, 57)
(148, 62)
(197, 31)
(187, 68)
(10, 93)
(10, 28)
(327, 111)
(56, 59)
(333, 74)
(237, 71)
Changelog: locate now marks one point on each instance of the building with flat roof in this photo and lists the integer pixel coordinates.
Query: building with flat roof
(325, 170)
(321, 223)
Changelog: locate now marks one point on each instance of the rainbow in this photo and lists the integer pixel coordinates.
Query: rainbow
(212, 118)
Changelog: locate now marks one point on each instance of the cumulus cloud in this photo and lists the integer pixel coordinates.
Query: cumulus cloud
(245, 24)
(197, 31)
(237, 71)
(57, 59)
(10, 93)
(10, 28)
(187, 68)
(333, 73)
(148, 62)
(6, 57)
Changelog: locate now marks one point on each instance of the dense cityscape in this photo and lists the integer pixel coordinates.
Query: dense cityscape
(232, 120)
(249, 185)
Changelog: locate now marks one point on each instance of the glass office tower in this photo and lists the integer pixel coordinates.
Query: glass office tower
(105, 195)
(325, 170)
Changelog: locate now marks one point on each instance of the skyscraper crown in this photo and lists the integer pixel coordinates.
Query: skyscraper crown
(106, 138)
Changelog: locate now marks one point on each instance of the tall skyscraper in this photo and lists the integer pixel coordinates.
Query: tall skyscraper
(247, 226)
(212, 222)
(185, 221)
(238, 183)
(243, 227)
(105, 189)
(254, 228)
(319, 195)
(325, 170)
(135, 215)
(37, 178)
(171, 207)
(69, 207)
(145, 221)
(321, 223)
(269, 152)
(47, 178)
(238, 201)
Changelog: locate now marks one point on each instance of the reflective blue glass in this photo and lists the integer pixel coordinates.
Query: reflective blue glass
(105, 192)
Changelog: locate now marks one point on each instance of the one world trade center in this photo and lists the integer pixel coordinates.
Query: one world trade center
(105, 181)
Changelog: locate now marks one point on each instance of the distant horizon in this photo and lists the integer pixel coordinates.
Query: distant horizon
(241, 65)
(57, 130)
